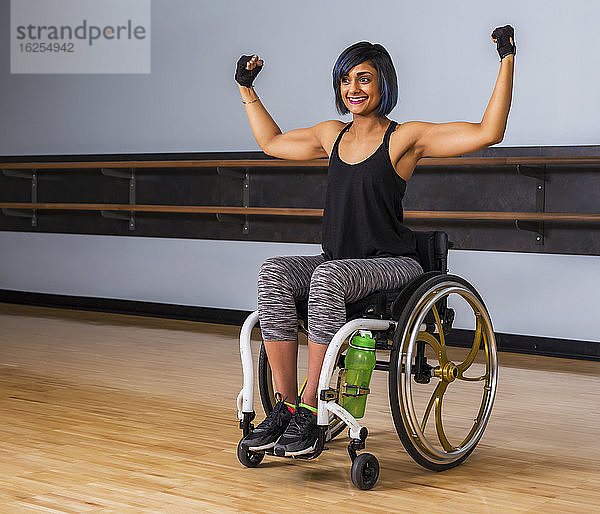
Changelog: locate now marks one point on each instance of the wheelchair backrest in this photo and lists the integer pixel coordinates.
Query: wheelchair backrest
(432, 247)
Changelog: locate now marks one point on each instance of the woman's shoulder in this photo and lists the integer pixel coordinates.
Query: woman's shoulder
(405, 132)
(328, 131)
(412, 129)
(332, 126)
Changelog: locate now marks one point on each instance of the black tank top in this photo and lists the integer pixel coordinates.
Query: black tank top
(363, 207)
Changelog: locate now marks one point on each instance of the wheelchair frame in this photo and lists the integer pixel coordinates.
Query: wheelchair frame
(413, 327)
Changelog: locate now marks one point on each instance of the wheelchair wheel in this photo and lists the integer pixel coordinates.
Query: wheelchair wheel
(365, 471)
(457, 384)
(267, 391)
(249, 458)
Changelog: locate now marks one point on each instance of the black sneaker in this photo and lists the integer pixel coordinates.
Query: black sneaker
(300, 436)
(268, 431)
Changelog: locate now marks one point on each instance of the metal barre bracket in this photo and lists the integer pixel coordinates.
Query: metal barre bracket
(532, 226)
(539, 174)
(128, 175)
(28, 175)
(244, 176)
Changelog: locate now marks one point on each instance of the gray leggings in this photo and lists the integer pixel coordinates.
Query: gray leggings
(329, 285)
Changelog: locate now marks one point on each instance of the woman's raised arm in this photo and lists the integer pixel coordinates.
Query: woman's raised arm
(298, 144)
(458, 138)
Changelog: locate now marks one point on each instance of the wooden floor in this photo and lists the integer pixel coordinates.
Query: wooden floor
(103, 412)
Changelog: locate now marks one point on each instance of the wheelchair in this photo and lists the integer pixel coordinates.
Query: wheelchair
(414, 326)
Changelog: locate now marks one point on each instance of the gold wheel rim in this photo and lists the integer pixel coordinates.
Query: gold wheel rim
(446, 373)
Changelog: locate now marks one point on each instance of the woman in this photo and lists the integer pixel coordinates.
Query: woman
(365, 245)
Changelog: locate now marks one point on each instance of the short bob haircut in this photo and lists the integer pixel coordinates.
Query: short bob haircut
(386, 73)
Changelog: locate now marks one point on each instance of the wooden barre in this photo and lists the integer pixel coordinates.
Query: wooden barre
(280, 163)
(274, 211)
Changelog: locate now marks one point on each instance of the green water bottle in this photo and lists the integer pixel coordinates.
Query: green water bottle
(359, 363)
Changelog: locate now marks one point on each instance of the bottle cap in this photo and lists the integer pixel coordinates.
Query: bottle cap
(364, 341)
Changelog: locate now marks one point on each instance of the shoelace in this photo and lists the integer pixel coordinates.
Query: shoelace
(301, 419)
(274, 417)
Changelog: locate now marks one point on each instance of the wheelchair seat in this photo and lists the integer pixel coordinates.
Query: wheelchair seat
(432, 249)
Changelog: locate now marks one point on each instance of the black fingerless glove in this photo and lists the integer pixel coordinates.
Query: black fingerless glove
(243, 76)
(502, 36)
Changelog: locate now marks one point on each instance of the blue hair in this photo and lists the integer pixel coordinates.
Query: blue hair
(386, 74)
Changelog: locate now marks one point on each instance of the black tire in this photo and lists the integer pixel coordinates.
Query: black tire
(249, 458)
(267, 395)
(365, 471)
(405, 432)
(265, 382)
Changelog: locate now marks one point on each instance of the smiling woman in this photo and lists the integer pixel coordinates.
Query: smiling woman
(375, 73)
(366, 246)
(359, 88)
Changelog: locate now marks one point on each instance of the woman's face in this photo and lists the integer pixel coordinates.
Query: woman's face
(360, 89)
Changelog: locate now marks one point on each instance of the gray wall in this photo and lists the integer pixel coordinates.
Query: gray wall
(447, 66)
(445, 59)
(544, 295)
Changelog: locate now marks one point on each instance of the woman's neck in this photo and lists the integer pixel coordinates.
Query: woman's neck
(363, 126)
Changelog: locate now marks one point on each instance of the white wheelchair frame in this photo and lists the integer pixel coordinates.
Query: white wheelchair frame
(245, 399)
(419, 323)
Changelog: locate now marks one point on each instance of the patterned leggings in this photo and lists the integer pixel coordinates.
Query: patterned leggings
(329, 285)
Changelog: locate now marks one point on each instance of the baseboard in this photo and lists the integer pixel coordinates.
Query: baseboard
(534, 345)
(159, 310)
(548, 346)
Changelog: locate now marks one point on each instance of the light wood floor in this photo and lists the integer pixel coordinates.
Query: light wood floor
(103, 412)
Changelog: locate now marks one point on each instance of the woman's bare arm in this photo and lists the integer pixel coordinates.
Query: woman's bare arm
(298, 144)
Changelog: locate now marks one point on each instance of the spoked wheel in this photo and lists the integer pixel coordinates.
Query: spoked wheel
(433, 372)
(267, 391)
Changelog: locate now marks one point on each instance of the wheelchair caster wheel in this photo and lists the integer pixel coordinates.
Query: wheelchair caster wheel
(365, 471)
(249, 458)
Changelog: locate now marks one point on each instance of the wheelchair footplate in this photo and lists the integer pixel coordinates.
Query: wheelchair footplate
(365, 466)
